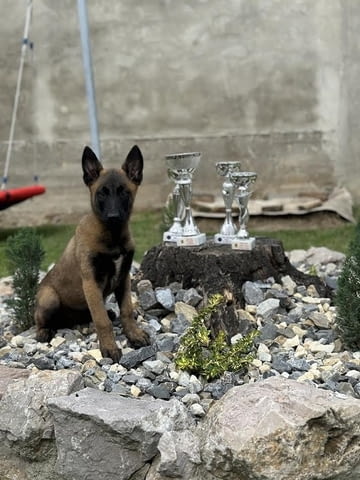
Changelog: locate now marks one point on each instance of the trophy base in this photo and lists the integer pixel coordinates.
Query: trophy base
(191, 240)
(243, 243)
(169, 237)
(224, 239)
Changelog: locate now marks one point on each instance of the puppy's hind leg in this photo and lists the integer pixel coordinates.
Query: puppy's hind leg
(47, 305)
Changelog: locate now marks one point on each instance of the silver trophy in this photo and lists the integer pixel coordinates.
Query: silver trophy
(228, 230)
(181, 167)
(243, 182)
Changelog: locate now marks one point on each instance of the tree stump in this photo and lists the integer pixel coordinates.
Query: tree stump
(219, 269)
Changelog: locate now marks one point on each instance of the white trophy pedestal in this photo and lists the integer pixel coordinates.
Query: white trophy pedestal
(245, 244)
(170, 237)
(224, 239)
(191, 240)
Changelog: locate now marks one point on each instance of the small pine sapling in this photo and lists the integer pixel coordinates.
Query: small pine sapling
(348, 295)
(24, 254)
(200, 354)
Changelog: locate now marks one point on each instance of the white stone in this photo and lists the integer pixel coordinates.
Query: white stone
(57, 341)
(291, 342)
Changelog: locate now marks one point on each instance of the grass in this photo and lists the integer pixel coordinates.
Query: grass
(146, 229)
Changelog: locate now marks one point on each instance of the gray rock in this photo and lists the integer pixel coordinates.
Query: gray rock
(253, 294)
(179, 324)
(179, 453)
(323, 255)
(24, 418)
(271, 411)
(135, 357)
(165, 297)
(160, 391)
(165, 342)
(155, 366)
(268, 308)
(147, 296)
(113, 441)
(191, 297)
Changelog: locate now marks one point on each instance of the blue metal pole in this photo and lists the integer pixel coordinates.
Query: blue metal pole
(88, 73)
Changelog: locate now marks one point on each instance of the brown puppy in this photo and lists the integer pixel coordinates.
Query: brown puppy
(97, 260)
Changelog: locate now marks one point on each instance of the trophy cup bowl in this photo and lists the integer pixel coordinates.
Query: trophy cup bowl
(228, 229)
(181, 167)
(242, 181)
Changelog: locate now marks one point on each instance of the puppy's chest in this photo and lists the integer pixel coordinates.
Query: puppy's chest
(107, 269)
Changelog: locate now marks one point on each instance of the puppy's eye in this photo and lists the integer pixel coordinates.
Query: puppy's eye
(105, 191)
(119, 191)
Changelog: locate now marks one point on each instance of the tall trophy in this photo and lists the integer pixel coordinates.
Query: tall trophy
(183, 232)
(242, 182)
(228, 230)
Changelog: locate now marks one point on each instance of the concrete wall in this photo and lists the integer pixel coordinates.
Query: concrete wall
(273, 83)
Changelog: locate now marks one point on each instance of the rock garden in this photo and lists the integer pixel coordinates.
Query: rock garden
(293, 412)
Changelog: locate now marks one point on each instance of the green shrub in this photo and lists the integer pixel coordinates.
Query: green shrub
(200, 354)
(24, 255)
(348, 295)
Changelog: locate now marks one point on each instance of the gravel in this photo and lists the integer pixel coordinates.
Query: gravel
(298, 340)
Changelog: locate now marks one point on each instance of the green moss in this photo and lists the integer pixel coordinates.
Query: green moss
(200, 354)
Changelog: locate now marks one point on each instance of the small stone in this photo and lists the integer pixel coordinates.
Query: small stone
(143, 384)
(319, 319)
(96, 354)
(165, 297)
(187, 311)
(263, 353)
(299, 364)
(159, 391)
(155, 366)
(57, 341)
(236, 338)
(166, 342)
(154, 324)
(197, 410)
(353, 374)
(268, 308)
(252, 293)
(44, 363)
(147, 296)
(288, 284)
(192, 297)
(195, 386)
(17, 341)
(319, 347)
(135, 357)
(291, 342)
(135, 391)
(307, 376)
(184, 379)
(190, 398)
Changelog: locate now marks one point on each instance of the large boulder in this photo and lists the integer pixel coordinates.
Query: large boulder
(104, 435)
(9, 375)
(27, 447)
(280, 429)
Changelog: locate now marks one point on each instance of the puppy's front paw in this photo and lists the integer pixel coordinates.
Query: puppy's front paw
(138, 337)
(111, 351)
(43, 335)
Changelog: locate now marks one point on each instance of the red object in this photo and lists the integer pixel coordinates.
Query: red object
(17, 195)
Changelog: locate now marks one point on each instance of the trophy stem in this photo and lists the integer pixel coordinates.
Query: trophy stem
(189, 227)
(243, 199)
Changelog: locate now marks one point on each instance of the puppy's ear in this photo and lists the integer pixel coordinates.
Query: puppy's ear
(91, 166)
(133, 165)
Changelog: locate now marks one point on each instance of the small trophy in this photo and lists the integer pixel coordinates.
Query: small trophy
(181, 167)
(242, 182)
(228, 230)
